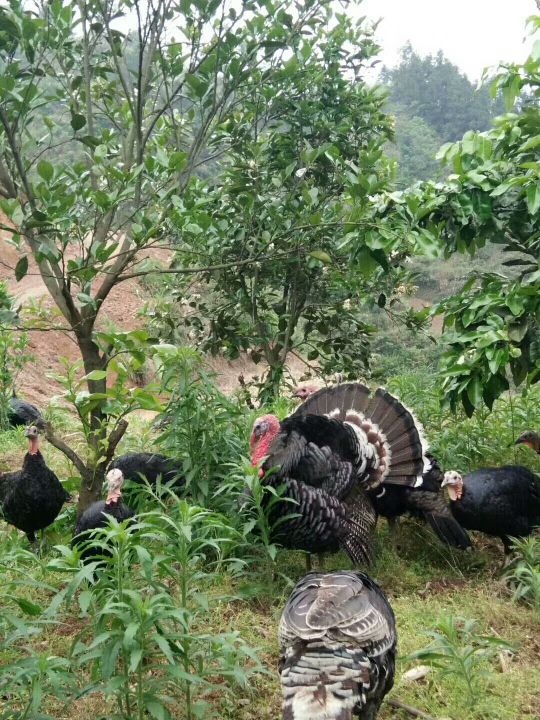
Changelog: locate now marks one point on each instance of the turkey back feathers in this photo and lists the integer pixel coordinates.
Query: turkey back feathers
(379, 421)
(337, 648)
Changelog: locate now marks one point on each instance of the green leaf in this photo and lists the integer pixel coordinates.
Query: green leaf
(45, 170)
(96, 375)
(29, 608)
(321, 255)
(474, 391)
(533, 198)
(77, 121)
(21, 268)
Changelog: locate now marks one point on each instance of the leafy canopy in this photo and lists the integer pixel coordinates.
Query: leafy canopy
(493, 195)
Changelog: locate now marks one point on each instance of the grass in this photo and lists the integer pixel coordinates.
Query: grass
(424, 581)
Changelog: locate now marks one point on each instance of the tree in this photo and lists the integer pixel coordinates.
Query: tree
(434, 89)
(142, 108)
(416, 145)
(307, 157)
(492, 324)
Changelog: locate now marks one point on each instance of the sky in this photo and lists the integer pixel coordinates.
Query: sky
(472, 34)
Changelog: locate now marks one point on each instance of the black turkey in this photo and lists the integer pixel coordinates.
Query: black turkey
(339, 444)
(138, 465)
(31, 498)
(531, 439)
(427, 502)
(96, 516)
(503, 501)
(21, 412)
(337, 640)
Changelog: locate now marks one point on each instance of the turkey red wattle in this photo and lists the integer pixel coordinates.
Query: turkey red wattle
(264, 431)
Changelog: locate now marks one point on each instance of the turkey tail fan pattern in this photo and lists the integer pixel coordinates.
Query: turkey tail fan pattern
(380, 420)
(337, 641)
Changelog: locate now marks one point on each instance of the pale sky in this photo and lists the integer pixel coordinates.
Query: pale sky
(472, 34)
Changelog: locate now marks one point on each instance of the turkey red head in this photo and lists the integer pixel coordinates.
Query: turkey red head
(265, 429)
(304, 391)
(115, 478)
(32, 433)
(454, 482)
(531, 439)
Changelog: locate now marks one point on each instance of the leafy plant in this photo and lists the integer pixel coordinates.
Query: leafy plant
(293, 204)
(491, 328)
(459, 651)
(204, 430)
(146, 644)
(523, 573)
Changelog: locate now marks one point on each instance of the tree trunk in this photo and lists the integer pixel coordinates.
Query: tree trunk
(92, 480)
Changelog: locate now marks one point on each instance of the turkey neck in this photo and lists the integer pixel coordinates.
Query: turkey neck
(33, 446)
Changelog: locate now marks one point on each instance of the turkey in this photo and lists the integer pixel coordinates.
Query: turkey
(337, 638)
(150, 466)
(95, 516)
(503, 502)
(303, 392)
(21, 412)
(31, 498)
(427, 502)
(531, 439)
(338, 445)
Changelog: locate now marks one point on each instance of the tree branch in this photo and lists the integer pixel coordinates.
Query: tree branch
(61, 445)
(409, 709)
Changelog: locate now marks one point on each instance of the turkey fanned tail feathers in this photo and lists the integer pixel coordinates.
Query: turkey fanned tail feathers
(337, 648)
(383, 426)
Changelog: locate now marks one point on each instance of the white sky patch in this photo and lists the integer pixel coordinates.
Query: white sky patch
(473, 34)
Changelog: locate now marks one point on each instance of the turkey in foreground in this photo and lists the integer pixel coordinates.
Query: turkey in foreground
(339, 444)
(427, 502)
(31, 498)
(95, 516)
(503, 502)
(337, 640)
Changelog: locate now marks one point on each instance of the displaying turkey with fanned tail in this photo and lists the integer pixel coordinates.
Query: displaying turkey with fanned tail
(339, 444)
(337, 640)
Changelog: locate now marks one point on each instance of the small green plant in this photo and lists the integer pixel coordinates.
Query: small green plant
(459, 651)
(147, 645)
(205, 430)
(523, 573)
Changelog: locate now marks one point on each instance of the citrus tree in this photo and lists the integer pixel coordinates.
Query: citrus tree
(491, 327)
(107, 111)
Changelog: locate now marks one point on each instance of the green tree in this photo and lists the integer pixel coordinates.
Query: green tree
(142, 108)
(434, 89)
(307, 159)
(493, 195)
(416, 145)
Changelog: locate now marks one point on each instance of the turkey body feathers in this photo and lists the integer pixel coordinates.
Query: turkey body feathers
(150, 466)
(315, 521)
(427, 502)
(95, 517)
(31, 499)
(21, 412)
(337, 641)
(503, 501)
